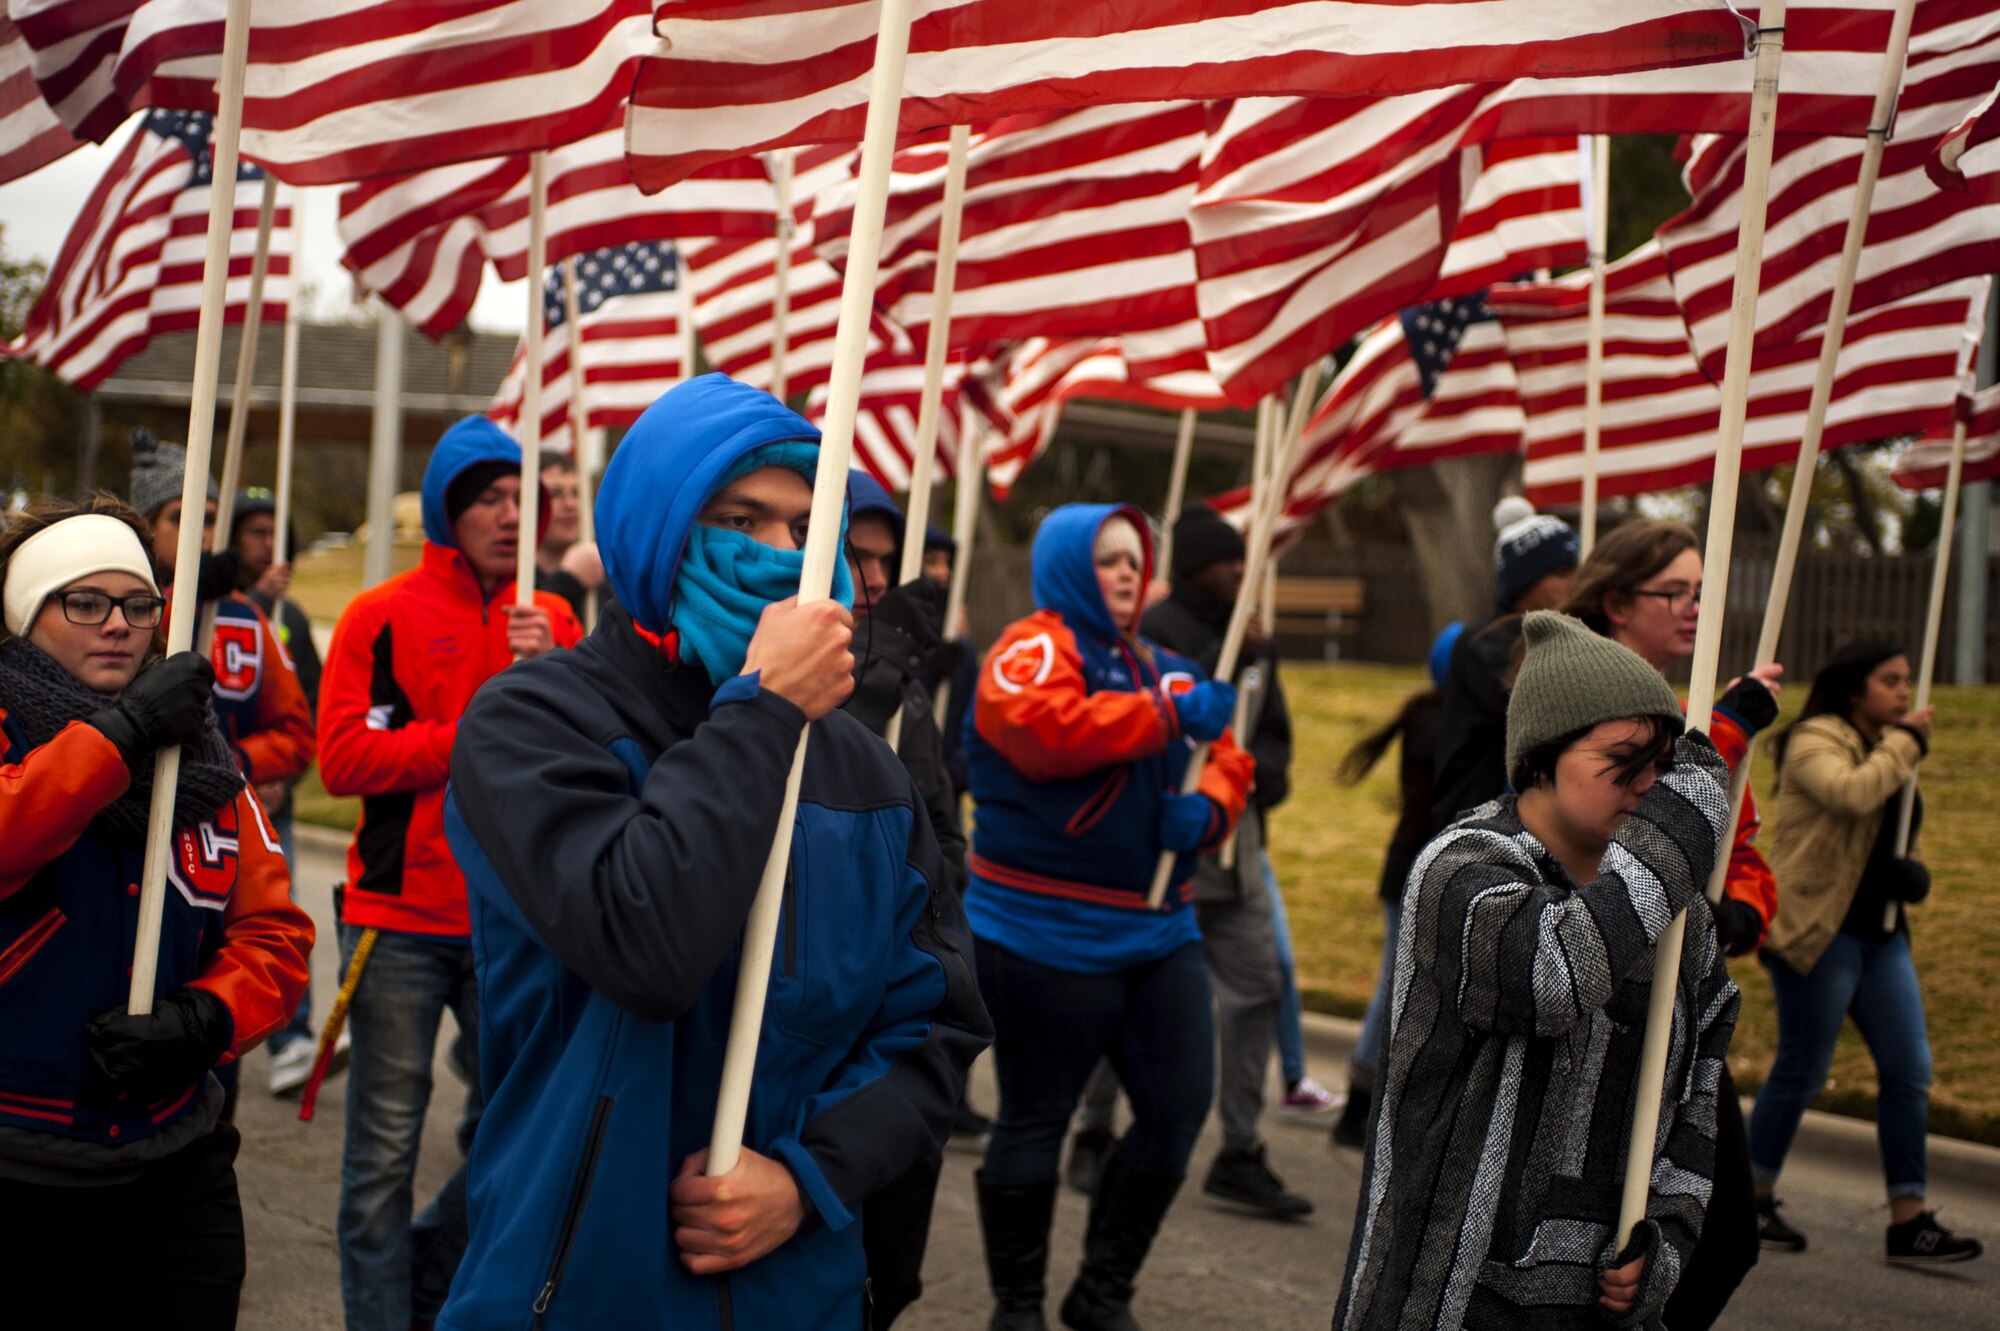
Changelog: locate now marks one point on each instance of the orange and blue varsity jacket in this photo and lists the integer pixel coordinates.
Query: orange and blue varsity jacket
(1071, 743)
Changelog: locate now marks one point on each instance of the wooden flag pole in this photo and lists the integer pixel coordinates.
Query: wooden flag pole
(1933, 626)
(531, 382)
(964, 531)
(785, 225)
(1593, 381)
(937, 345)
(194, 487)
(288, 401)
(1640, 1143)
(1792, 535)
(836, 451)
(1271, 422)
(579, 426)
(1176, 488)
(246, 361)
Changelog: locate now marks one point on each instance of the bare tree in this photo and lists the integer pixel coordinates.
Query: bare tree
(1448, 509)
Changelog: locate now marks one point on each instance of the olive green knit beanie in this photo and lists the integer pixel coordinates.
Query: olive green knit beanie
(1574, 679)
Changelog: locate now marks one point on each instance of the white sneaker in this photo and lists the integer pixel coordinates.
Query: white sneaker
(1309, 1098)
(291, 1065)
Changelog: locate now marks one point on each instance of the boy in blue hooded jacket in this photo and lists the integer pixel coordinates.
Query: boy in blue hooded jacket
(613, 807)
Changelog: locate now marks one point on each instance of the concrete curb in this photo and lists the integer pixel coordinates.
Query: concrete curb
(1331, 1042)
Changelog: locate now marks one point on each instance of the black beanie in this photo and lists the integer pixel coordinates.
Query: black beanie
(470, 483)
(1202, 537)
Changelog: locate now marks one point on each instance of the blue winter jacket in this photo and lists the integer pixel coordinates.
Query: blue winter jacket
(612, 811)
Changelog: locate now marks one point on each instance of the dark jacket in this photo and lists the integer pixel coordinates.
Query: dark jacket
(1423, 735)
(1471, 763)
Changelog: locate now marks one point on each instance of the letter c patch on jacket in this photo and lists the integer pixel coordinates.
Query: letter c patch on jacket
(203, 860)
(1025, 664)
(238, 658)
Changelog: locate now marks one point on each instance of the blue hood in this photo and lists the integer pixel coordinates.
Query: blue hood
(1065, 575)
(665, 468)
(468, 443)
(865, 495)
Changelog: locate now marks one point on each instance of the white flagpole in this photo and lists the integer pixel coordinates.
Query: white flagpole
(1176, 487)
(1271, 422)
(1834, 334)
(1593, 382)
(786, 227)
(1933, 625)
(964, 531)
(836, 450)
(937, 345)
(246, 357)
(531, 382)
(684, 285)
(194, 487)
(579, 427)
(288, 394)
(1639, 1147)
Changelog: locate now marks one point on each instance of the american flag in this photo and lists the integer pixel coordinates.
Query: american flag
(885, 422)
(1922, 465)
(1021, 391)
(631, 327)
(736, 78)
(1896, 375)
(97, 61)
(31, 134)
(1431, 383)
(1075, 224)
(1970, 149)
(131, 265)
(1918, 235)
(341, 90)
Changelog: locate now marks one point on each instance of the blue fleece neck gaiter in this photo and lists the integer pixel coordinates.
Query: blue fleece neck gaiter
(726, 578)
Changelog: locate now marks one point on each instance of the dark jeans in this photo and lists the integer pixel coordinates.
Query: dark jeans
(393, 1268)
(164, 1251)
(1051, 1026)
(1876, 984)
(1728, 1245)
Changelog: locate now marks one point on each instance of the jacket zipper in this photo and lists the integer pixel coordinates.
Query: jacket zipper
(725, 1305)
(791, 919)
(573, 1216)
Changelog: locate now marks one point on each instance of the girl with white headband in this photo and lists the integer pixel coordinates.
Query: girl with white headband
(109, 1123)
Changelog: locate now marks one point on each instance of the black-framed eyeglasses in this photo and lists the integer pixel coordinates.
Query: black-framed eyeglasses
(1679, 600)
(141, 611)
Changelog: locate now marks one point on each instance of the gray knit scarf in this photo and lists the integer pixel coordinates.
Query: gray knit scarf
(43, 697)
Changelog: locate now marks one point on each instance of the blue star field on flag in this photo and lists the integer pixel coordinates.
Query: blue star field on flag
(193, 129)
(623, 270)
(1433, 332)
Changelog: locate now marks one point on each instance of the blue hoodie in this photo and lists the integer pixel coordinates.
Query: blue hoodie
(612, 811)
(466, 444)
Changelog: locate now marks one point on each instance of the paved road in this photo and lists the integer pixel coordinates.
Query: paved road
(1212, 1270)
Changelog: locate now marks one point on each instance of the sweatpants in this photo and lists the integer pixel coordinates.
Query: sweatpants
(1241, 947)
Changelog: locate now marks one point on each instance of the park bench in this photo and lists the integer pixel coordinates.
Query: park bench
(1322, 611)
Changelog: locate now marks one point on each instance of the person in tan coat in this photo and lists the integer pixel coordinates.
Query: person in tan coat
(1840, 945)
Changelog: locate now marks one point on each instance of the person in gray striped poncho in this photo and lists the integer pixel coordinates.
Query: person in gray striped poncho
(1490, 1193)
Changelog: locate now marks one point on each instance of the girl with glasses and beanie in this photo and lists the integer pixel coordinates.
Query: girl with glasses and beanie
(110, 1123)
(1840, 946)
(1641, 587)
(1491, 1187)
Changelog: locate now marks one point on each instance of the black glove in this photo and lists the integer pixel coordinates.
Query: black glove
(917, 608)
(1749, 700)
(1923, 744)
(1908, 880)
(1737, 927)
(167, 704)
(217, 577)
(185, 1035)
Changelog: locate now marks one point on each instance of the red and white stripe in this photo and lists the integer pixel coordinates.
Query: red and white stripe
(131, 265)
(1897, 374)
(885, 423)
(99, 60)
(735, 294)
(1922, 465)
(736, 78)
(31, 134)
(1918, 235)
(1970, 149)
(1074, 224)
(632, 353)
(341, 90)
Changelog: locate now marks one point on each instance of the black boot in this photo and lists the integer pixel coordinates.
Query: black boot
(1014, 1218)
(1351, 1128)
(1124, 1217)
(1087, 1150)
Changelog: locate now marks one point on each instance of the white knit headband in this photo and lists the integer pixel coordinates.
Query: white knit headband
(58, 555)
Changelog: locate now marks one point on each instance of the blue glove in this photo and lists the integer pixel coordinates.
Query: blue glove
(1206, 709)
(1184, 820)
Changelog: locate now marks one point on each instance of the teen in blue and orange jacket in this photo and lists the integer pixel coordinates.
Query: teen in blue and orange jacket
(1078, 740)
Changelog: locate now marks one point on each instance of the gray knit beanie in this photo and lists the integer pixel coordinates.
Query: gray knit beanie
(1574, 679)
(157, 471)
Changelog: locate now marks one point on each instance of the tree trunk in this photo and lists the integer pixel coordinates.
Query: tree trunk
(1448, 508)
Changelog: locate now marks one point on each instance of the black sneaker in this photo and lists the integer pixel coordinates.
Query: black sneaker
(1087, 1152)
(1351, 1128)
(1924, 1242)
(1772, 1231)
(1244, 1178)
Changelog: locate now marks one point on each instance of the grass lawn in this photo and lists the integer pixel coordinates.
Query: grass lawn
(1327, 844)
(326, 580)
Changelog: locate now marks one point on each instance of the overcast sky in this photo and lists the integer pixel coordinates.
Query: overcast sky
(37, 210)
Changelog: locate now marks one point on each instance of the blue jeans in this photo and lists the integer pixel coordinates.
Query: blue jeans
(1375, 1025)
(301, 1027)
(391, 1268)
(1050, 1028)
(1291, 1030)
(1876, 984)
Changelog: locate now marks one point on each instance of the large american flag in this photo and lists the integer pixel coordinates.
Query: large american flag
(1970, 149)
(885, 421)
(97, 61)
(131, 265)
(31, 134)
(1922, 465)
(735, 78)
(1897, 374)
(1918, 235)
(630, 327)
